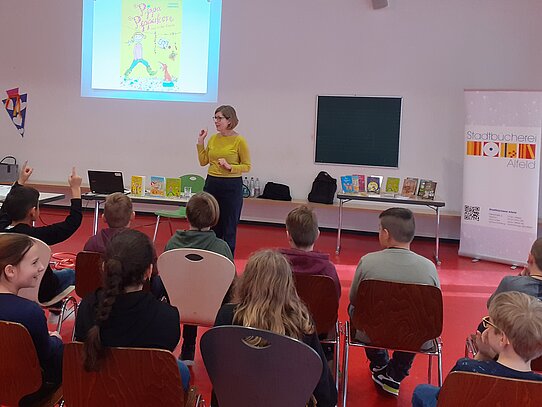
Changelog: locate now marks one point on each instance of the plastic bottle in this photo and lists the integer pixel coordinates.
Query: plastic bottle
(257, 191)
(251, 186)
(245, 182)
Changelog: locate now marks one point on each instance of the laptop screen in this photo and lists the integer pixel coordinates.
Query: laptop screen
(105, 182)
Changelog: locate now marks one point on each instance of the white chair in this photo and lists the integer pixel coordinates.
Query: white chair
(196, 281)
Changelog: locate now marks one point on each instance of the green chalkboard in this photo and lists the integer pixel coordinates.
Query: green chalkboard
(358, 130)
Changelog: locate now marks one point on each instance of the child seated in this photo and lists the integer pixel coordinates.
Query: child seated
(202, 213)
(513, 334)
(121, 313)
(20, 267)
(302, 232)
(21, 209)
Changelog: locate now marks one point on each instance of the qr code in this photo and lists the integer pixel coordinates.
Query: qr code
(472, 213)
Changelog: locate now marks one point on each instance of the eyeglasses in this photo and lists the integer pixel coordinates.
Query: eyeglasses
(218, 118)
(486, 323)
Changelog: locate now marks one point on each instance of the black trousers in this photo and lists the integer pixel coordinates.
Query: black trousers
(229, 194)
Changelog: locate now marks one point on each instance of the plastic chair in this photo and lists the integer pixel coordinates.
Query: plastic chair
(128, 377)
(20, 373)
(466, 389)
(88, 273)
(320, 296)
(196, 183)
(283, 373)
(31, 293)
(196, 281)
(396, 316)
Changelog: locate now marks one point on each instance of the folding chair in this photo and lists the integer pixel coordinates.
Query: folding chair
(88, 273)
(465, 389)
(396, 316)
(284, 372)
(320, 296)
(128, 377)
(20, 373)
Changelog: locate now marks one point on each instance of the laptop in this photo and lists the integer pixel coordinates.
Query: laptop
(106, 182)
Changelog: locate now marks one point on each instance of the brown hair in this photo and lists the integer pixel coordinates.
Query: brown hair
(128, 256)
(118, 210)
(519, 316)
(202, 210)
(399, 222)
(267, 298)
(19, 201)
(536, 251)
(230, 114)
(13, 248)
(302, 225)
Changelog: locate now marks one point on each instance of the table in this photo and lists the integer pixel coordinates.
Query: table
(435, 205)
(147, 199)
(46, 197)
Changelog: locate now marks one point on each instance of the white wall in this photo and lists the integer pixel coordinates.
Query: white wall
(276, 56)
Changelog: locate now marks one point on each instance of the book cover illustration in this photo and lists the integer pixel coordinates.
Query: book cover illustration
(359, 182)
(173, 187)
(429, 190)
(421, 189)
(410, 185)
(374, 183)
(150, 43)
(138, 185)
(346, 183)
(158, 186)
(392, 185)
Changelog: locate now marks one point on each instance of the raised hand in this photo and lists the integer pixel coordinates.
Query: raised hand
(74, 181)
(26, 172)
(201, 136)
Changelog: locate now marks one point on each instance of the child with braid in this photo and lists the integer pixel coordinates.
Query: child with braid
(121, 313)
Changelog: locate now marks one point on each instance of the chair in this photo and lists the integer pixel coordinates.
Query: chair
(20, 373)
(196, 281)
(88, 273)
(320, 296)
(466, 389)
(128, 377)
(283, 373)
(396, 316)
(31, 293)
(196, 183)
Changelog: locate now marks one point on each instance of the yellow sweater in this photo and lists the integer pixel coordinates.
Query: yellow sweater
(233, 149)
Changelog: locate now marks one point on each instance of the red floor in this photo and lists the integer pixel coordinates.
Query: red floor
(465, 285)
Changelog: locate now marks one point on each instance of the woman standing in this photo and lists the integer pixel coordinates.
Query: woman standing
(228, 158)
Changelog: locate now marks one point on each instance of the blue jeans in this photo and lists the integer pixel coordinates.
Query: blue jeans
(425, 395)
(185, 375)
(54, 282)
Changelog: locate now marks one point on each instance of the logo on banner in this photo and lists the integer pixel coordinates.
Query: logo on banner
(491, 149)
(509, 150)
(502, 150)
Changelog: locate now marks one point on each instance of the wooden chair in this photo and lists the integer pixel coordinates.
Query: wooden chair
(128, 377)
(320, 296)
(396, 316)
(20, 370)
(465, 389)
(283, 373)
(196, 183)
(88, 273)
(196, 281)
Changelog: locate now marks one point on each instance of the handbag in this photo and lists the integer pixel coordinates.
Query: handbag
(9, 171)
(323, 189)
(277, 192)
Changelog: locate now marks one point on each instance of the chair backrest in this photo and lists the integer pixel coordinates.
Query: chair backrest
(465, 389)
(20, 371)
(282, 373)
(536, 364)
(320, 296)
(44, 250)
(398, 315)
(88, 273)
(196, 182)
(196, 281)
(128, 377)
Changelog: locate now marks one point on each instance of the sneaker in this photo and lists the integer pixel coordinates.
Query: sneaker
(386, 383)
(378, 369)
(187, 355)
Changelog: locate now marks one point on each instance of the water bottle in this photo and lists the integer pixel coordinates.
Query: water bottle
(251, 186)
(257, 191)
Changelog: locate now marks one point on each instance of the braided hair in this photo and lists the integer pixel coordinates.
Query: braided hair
(128, 256)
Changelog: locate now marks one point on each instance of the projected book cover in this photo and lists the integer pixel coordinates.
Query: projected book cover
(151, 50)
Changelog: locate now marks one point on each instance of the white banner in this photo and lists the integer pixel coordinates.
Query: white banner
(501, 175)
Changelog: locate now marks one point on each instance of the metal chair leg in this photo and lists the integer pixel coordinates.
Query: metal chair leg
(156, 228)
(429, 369)
(439, 346)
(337, 353)
(345, 361)
(61, 317)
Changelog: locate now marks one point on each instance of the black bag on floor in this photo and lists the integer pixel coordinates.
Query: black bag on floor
(277, 192)
(323, 189)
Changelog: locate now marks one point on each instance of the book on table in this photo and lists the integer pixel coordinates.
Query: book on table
(346, 184)
(138, 185)
(374, 183)
(392, 186)
(173, 187)
(358, 181)
(410, 186)
(158, 186)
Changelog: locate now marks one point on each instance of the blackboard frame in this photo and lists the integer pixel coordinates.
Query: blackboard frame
(358, 130)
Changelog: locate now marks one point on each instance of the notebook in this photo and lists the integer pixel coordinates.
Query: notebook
(106, 182)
